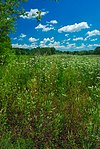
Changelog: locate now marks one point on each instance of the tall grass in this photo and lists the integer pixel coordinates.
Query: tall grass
(50, 102)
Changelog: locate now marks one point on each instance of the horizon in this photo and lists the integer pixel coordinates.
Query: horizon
(64, 25)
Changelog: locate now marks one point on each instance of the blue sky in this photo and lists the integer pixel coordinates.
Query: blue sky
(65, 25)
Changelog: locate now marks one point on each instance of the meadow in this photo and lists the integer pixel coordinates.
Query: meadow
(50, 102)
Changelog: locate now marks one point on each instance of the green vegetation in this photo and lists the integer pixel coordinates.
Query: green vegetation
(9, 11)
(46, 102)
(50, 102)
(52, 50)
(35, 51)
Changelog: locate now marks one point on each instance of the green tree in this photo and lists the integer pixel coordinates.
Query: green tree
(9, 12)
(97, 51)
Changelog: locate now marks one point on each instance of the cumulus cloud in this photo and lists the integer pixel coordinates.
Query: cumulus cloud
(20, 46)
(53, 22)
(33, 14)
(55, 44)
(22, 35)
(81, 47)
(24, 46)
(94, 39)
(31, 39)
(85, 39)
(66, 35)
(68, 46)
(59, 46)
(15, 38)
(40, 26)
(79, 38)
(45, 41)
(45, 28)
(93, 33)
(68, 39)
(93, 45)
(74, 28)
(48, 39)
(50, 42)
(71, 46)
(67, 43)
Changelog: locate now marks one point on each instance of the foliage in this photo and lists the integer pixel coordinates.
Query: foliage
(35, 51)
(83, 52)
(52, 50)
(50, 102)
(9, 12)
(97, 51)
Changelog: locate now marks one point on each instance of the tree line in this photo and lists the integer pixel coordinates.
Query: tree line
(52, 50)
(35, 51)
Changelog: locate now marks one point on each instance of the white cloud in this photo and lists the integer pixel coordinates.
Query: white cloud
(79, 38)
(63, 41)
(20, 39)
(58, 45)
(68, 46)
(44, 28)
(22, 35)
(32, 14)
(68, 39)
(15, 38)
(81, 47)
(45, 41)
(20, 46)
(90, 45)
(93, 45)
(67, 42)
(42, 44)
(71, 46)
(85, 39)
(31, 39)
(48, 39)
(94, 39)
(74, 28)
(66, 35)
(53, 22)
(55, 44)
(24, 46)
(93, 33)
(40, 26)
(50, 42)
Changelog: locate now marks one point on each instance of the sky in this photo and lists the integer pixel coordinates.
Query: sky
(67, 25)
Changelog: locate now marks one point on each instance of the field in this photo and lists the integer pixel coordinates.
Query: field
(50, 102)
